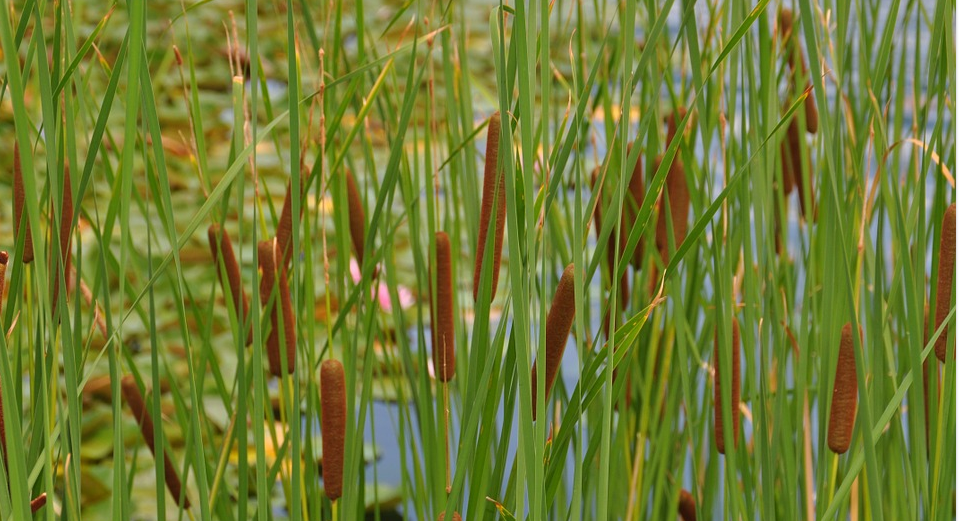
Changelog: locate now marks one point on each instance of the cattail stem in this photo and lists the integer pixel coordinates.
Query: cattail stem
(718, 390)
(948, 264)
(66, 259)
(19, 214)
(559, 321)
(268, 256)
(494, 191)
(444, 353)
(221, 248)
(134, 398)
(843, 408)
(333, 403)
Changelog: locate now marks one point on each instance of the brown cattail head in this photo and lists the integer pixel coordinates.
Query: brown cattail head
(494, 185)
(612, 252)
(444, 361)
(66, 219)
(38, 502)
(843, 408)
(718, 390)
(637, 192)
(333, 403)
(559, 321)
(4, 258)
(785, 23)
(676, 192)
(134, 398)
(948, 263)
(18, 209)
(221, 249)
(285, 224)
(357, 218)
(454, 517)
(686, 507)
(810, 111)
(268, 255)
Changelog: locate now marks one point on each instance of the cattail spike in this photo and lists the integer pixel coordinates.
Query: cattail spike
(134, 398)
(18, 208)
(38, 502)
(612, 252)
(687, 507)
(66, 220)
(843, 408)
(285, 224)
(637, 191)
(444, 361)
(718, 390)
(221, 249)
(4, 259)
(268, 255)
(493, 181)
(357, 218)
(676, 193)
(948, 264)
(559, 321)
(333, 403)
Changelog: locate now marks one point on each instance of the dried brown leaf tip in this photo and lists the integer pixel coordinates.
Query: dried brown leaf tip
(19, 214)
(268, 256)
(945, 270)
(687, 507)
(843, 407)
(221, 249)
(559, 321)
(333, 407)
(454, 517)
(494, 189)
(134, 398)
(718, 390)
(444, 361)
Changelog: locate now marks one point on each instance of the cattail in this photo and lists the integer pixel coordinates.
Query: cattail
(66, 219)
(443, 348)
(843, 408)
(454, 517)
(4, 258)
(18, 210)
(734, 396)
(559, 321)
(792, 162)
(795, 56)
(268, 255)
(133, 397)
(285, 224)
(637, 191)
(221, 248)
(810, 112)
(357, 218)
(676, 193)
(491, 184)
(333, 403)
(612, 252)
(686, 507)
(948, 263)
(38, 502)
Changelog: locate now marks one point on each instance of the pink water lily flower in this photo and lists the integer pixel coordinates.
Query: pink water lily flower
(382, 293)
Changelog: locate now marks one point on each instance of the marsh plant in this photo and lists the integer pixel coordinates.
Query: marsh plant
(574, 260)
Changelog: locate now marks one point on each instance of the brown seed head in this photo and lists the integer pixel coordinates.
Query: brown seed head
(221, 249)
(66, 258)
(134, 398)
(559, 321)
(718, 390)
(18, 207)
(686, 507)
(268, 255)
(948, 264)
(333, 403)
(443, 350)
(494, 186)
(38, 502)
(357, 218)
(843, 408)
